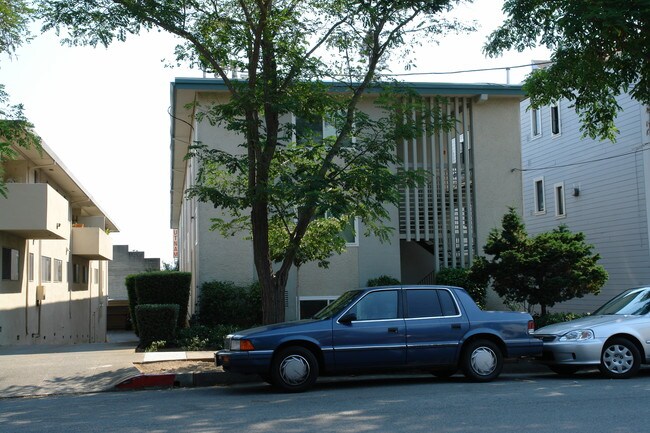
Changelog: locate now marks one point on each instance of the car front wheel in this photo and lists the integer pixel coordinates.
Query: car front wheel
(482, 361)
(620, 359)
(294, 369)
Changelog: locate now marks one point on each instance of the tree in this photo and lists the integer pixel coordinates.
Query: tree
(601, 48)
(15, 129)
(288, 49)
(543, 270)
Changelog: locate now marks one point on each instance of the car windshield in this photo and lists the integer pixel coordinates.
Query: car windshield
(631, 302)
(337, 306)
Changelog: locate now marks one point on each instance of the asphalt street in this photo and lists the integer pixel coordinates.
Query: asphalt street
(536, 403)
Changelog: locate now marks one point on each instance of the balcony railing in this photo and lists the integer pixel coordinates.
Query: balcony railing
(34, 211)
(92, 243)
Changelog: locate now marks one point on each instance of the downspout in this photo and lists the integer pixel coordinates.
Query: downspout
(27, 289)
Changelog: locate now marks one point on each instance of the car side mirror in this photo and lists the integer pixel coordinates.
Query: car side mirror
(347, 318)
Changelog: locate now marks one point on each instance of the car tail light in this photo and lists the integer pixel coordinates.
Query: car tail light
(531, 326)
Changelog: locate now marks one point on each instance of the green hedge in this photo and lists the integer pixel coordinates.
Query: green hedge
(129, 282)
(460, 277)
(382, 280)
(157, 322)
(224, 303)
(551, 318)
(165, 287)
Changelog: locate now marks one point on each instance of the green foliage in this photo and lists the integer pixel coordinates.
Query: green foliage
(201, 337)
(129, 282)
(461, 277)
(156, 322)
(290, 51)
(15, 16)
(548, 268)
(600, 49)
(224, 303)
(164, 287)
(551, 318)
(155, 346)
(382, 280)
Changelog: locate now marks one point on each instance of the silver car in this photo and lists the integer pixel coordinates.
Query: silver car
(615, 338)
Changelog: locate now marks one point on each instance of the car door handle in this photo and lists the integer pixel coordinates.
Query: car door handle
(455, 326)
(392, 330)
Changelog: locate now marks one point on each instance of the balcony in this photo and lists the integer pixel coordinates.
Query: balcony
(92, 243)
(34, 211)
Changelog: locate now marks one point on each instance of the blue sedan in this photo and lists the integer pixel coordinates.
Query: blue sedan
(434, 328)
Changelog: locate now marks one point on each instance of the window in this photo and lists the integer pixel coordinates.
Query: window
(30, 270)
(555, 119)
(310, 305)
(75, 273)
(540, 206)
(376, 306)
(430, 303)
(10, 261)
(58, 270)
(535, 122)
(46, 269)
(560, 210)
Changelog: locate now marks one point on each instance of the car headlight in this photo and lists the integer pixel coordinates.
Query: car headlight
(578, 335)
(244, 345)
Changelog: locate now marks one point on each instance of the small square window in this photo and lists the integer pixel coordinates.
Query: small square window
(10, 261)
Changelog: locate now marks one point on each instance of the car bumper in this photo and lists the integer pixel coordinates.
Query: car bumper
(252, 362)
(572, 353)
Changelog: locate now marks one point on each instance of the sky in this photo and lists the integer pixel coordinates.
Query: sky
(104, 112)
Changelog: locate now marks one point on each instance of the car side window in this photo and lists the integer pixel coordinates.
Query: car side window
(449, 307)
(423, 303)
(377, 306)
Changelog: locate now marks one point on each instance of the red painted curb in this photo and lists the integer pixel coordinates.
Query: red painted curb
(147, 381)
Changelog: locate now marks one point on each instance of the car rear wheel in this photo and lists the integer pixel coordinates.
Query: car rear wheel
(620, 359)
(482, 361)
(294, 369)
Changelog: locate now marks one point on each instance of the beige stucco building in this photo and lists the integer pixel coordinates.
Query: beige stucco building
(55, 246)
(444, 223)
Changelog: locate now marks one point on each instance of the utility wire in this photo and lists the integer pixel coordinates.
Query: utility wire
(643, 148)
(469, 70)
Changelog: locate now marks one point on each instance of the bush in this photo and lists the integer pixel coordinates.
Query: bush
(129, 282)
(200, 337)
(165, 287)
(224, 303)
(460, 277)
(551, 318)
(156, 322)
(382, 280)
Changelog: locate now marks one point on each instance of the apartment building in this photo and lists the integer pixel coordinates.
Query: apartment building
(55, 247)
(444, 223)
(600, 188)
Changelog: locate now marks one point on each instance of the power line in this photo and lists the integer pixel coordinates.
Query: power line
(404, 74)
(641, 149)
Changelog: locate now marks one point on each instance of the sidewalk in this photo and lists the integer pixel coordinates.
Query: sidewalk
(37, 370)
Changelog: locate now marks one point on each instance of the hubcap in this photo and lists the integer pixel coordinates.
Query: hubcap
(294, 369)
(618, 359)
(484, 360)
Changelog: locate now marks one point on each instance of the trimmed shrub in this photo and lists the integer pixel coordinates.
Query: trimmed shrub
(129, 282)
(157, 322)
(460, 277)
(551, 318)
(224, 303)
(164, 287)
(200, 337)
(382, 280)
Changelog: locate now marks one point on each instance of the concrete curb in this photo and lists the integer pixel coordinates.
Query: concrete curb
(182, 380)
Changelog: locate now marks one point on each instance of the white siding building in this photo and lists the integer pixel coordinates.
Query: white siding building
(599, 188)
